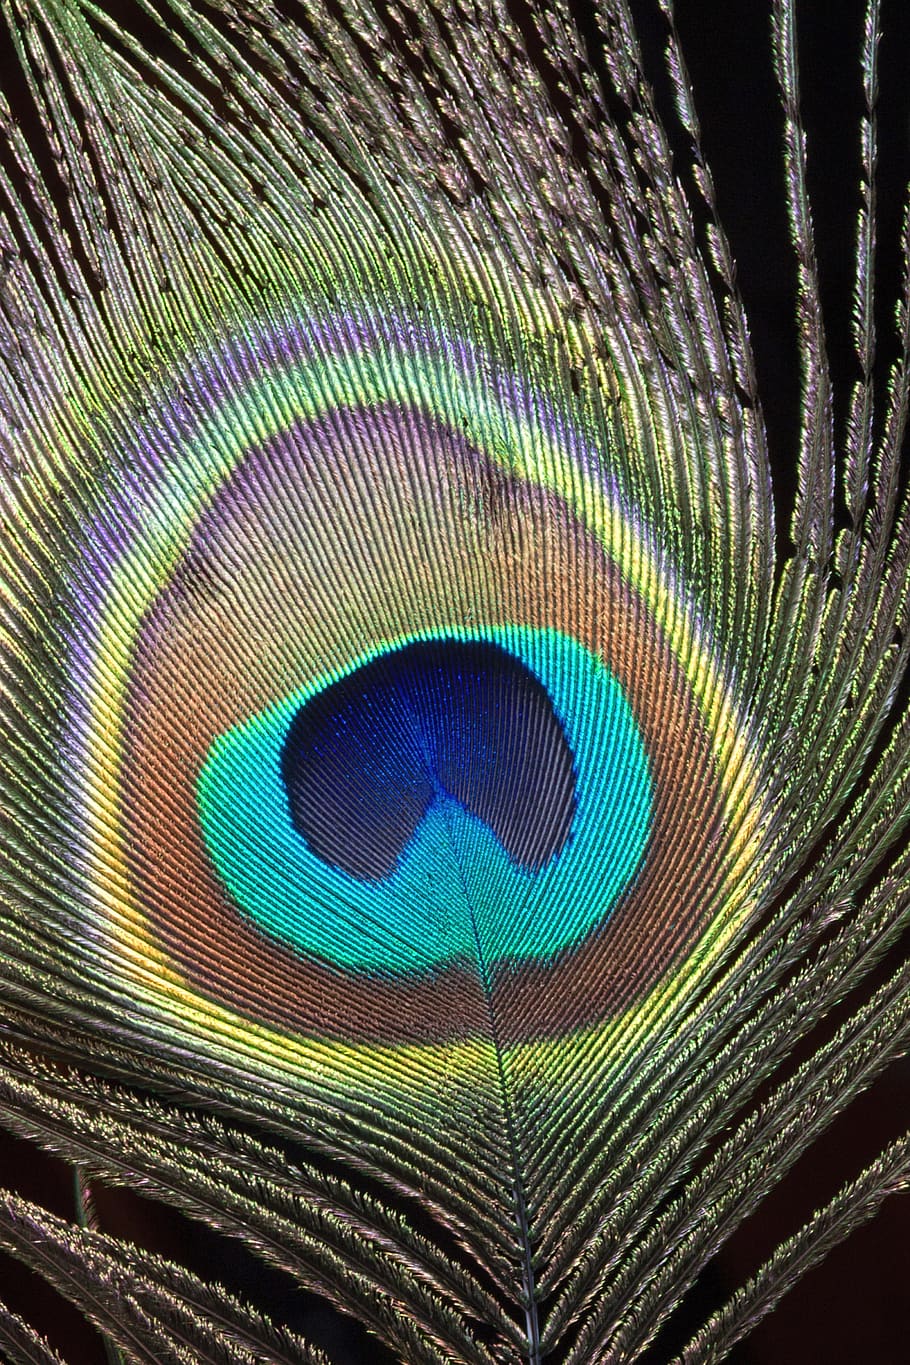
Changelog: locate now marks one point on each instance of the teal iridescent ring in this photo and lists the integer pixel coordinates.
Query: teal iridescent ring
(455, 893)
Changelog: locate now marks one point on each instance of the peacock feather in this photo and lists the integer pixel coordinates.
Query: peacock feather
(446, 803)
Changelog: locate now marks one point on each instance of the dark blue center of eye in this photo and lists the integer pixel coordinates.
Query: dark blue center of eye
(366, 757)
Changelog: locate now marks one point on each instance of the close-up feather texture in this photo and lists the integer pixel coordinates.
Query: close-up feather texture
(455, 736)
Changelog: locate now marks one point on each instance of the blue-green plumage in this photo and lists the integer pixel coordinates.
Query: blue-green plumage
(443, 806)
(456, 888)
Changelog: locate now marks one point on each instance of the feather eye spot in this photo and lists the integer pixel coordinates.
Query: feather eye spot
(398, 819)
(382, 523)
